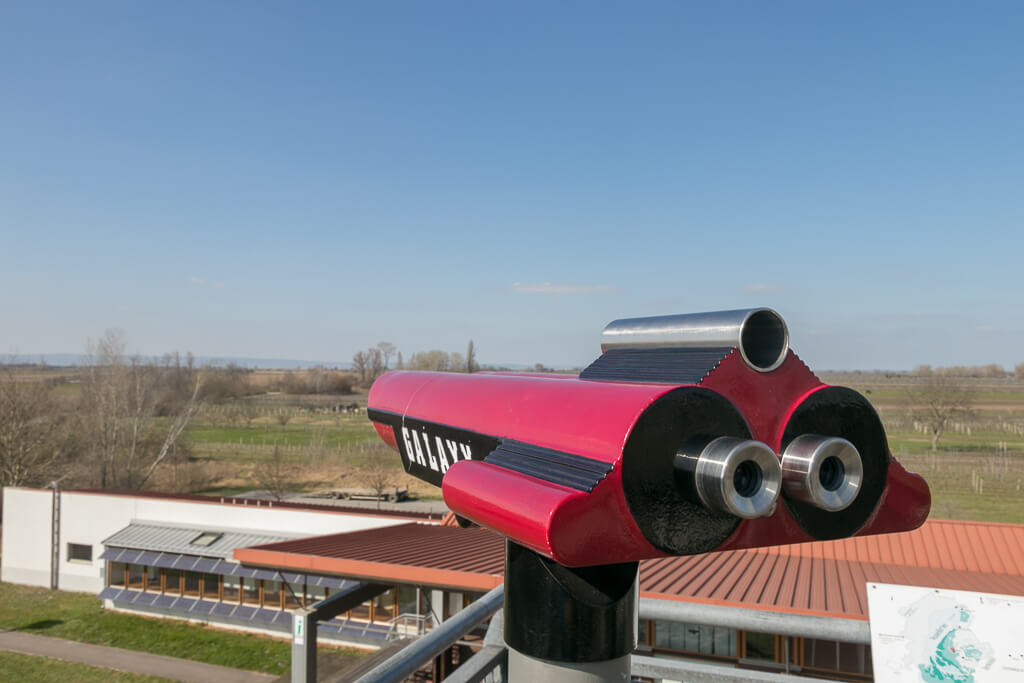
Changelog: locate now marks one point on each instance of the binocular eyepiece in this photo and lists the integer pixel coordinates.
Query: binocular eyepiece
(743, 477)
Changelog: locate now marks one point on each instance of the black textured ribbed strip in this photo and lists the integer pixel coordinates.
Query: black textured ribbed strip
(557, 467)
(687, 365)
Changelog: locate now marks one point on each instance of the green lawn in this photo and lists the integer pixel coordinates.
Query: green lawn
(78, 616)
(275, 434)
(16, 667)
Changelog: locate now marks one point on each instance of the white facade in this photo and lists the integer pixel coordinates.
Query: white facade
(87, 518)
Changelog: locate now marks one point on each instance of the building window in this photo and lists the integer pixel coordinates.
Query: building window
(79, 552)
(211, 587)
(407, 600)
(384, 606)
(293, 596)
(251, 592)
(361, 612)
(272, 594)
(173, 579)
(206, 539)
(760, 646)
(694, 638)
(231, 589)
(192, 584)
(136, 576)
(153, 579)
(829, 655)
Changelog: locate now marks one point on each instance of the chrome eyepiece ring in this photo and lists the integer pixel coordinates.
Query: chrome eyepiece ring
(825, 471)
(740, 477)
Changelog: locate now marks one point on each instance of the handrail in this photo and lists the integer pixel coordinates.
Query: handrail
(409, 659)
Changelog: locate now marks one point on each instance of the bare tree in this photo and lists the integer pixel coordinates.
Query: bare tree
(361, 364)
(399, 364)
(272, 475)
(380, 478)
(937, 401)
(471, 357)
(388, 350)
(376, 363)
(1018, 371)
(121, 400)
(32, 435)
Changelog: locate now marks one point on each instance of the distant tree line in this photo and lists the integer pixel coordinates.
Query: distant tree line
(370, 364)
(991, 371)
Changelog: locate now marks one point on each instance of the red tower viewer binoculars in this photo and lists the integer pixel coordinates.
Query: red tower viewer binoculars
(690, 433)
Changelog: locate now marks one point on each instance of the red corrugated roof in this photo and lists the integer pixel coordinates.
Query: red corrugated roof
(826, 577)
(829, 577)
(427, 554)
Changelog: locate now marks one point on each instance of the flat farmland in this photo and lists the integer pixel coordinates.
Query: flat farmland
(977, 472)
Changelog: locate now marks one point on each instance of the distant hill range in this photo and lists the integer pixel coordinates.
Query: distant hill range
(74, 359)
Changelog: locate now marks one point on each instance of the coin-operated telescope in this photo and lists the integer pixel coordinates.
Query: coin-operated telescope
(690, 433)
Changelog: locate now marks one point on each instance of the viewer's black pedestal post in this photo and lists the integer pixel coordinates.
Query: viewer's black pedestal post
(568, 625)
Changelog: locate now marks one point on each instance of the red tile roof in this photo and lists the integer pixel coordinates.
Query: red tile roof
(826, 578)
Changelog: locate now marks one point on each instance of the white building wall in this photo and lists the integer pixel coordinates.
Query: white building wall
(88, 518)
(26, 544)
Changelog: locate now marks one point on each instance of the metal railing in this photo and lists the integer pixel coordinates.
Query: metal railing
(490, 663)
(410, 659)
(399, 626)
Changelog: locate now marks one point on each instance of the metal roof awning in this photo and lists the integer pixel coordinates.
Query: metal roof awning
(208, 565)
(206, 542)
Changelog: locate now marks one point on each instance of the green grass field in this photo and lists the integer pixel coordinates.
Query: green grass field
(17, 667)
(80, 617)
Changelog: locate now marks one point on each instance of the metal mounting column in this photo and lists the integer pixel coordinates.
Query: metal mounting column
(568, 625)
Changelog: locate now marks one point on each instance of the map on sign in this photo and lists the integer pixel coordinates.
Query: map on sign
(931, 635)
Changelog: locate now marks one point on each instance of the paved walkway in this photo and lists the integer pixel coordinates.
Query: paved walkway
(130, 661)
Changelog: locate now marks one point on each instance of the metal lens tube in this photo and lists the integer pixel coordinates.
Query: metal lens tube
(760, 334)
(825, 471)
(739, 477)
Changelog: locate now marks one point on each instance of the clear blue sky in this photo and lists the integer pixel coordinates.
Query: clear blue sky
(304, 180)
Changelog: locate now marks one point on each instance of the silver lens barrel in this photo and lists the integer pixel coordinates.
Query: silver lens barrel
(739, 477)
(825, 471)
(760, 334)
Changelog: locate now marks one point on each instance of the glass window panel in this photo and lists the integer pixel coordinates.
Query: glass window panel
(361, 612)
(821, 654)
(662, 634)
(136, 576)
(725, 642)
(173, 579)
(272, 594)
(192, 584)
(707, 640)
(153, 579)
(251, 591)
(314, 594)
(117, 574)
(852, 658)
(760, 646)
(384, 606)
(293, 595)
(78, 552)
(641, 636)
(211, 586)
(691, 638)
(231, 584)
(407, 600)
(678, 638)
